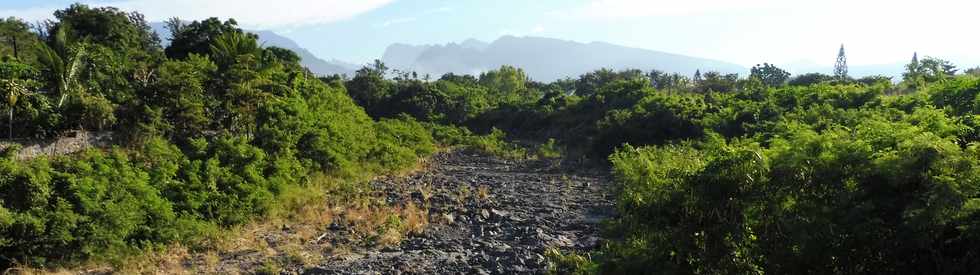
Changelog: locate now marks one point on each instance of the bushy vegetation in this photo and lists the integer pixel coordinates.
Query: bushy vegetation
(817, 179)
(213, 129)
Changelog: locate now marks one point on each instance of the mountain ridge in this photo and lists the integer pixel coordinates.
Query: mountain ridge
(540, 56)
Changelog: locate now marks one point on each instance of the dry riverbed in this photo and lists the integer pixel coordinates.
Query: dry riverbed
(487, 216)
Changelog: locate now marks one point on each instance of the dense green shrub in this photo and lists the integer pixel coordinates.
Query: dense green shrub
(550, 150)
(882, 196)
(402, 141)
(98, 205)
(495, 144)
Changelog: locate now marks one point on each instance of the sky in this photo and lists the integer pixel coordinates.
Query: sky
(745, 32)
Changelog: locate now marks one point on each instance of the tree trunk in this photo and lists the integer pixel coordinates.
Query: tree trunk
(62, 100)
(10, 125)
(13, 40)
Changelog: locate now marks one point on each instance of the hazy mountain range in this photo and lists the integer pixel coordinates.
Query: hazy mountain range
(544, 59)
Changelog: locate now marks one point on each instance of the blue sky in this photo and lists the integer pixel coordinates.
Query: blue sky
(741, 31)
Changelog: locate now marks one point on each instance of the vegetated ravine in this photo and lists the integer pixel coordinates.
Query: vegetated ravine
(488, 216)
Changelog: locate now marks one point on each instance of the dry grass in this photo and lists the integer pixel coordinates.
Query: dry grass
(415, 218)
(483, 193)
(426, 191)
(386, 225)
(463, 193)
(169, 261)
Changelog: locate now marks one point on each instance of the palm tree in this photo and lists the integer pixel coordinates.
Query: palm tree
(12, 91)
(245, 76)
(64, 62)
(229, 46)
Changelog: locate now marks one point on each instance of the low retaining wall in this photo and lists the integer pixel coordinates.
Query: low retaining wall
(69, 143)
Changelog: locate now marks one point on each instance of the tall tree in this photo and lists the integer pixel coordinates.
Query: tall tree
(198, 36)
(127, 32)
(370, 89)
(507, 83)
(769, 74)
(119, 46)
(913, 71)
(228, 47)
(245, 84)
(936, 69)
(840, 68)
(16, 36)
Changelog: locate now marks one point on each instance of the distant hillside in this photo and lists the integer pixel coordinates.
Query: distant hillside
(311, 61)
(544, 59)
(268, 38)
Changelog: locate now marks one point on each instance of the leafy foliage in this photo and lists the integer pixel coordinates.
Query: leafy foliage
(211, 136)
(769, 74)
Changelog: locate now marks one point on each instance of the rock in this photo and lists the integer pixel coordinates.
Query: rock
(588, 242)
(448, 217)
(484, 214)
(563, 241)
(501, 248)
(500, 214)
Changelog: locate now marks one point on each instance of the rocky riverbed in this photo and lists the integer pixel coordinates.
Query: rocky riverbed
(487, 216)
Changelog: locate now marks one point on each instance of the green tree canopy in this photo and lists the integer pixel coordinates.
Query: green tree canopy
(198, 36)
(769, 74)
(107, 26)
(809, 79)
(16, 40)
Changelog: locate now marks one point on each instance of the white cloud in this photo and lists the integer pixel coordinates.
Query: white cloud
(249, 13)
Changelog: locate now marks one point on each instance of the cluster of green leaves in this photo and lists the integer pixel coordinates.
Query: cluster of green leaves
(495, 143)
(213, 130)
(831, 179)
(452, 99)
